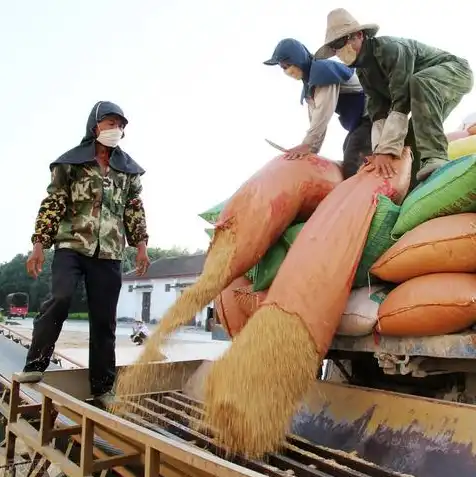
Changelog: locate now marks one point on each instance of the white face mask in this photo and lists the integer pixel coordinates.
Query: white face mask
(110, 137)
(347, 54)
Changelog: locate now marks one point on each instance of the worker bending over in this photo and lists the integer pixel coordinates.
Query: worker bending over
(400, 76)
(328, 87)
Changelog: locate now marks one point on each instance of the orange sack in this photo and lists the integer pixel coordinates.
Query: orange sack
(249, 300)
(254, 389)
(430, 305)
(444, 244)
(230, 314)
(316, 277)
(265, 205)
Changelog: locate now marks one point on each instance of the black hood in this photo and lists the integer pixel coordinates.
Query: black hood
(85, 152)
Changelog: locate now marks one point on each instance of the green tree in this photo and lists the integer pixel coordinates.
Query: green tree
(155, 253)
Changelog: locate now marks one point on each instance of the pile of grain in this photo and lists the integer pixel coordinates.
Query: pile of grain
(253, 391)
(215, 277)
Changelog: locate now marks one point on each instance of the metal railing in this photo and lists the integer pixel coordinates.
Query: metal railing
(57, 358)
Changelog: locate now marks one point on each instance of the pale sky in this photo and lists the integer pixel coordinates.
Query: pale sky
(190, 78)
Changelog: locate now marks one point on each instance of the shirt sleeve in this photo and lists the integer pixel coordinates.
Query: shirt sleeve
(135, 224)
(377, 105)
(53, 207)
(325, 103)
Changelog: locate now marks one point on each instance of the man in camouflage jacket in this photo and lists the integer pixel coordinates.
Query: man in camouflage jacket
(93, 206)
(400, 76)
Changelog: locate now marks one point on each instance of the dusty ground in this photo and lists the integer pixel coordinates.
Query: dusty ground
(79, 336)
(76, 339)
(186, 344)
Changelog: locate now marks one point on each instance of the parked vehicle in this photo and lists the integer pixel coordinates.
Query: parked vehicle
(17, 305)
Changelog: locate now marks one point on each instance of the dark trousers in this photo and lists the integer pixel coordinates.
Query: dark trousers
(357, 146)
(103, 284)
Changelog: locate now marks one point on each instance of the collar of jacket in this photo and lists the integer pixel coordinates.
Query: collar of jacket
(366, 54)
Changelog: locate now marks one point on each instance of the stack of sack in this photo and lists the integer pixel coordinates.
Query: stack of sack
(416, 276)
(434, 260)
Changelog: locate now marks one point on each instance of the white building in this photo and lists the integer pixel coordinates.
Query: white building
(147, 298)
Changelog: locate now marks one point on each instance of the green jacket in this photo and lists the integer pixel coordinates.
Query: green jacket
(83, 209)
(385, 66)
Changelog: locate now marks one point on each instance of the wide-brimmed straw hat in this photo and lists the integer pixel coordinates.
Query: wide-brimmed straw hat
(341, 23)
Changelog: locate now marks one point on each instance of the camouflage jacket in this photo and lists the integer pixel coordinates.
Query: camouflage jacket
(385, 66)
(84, 210)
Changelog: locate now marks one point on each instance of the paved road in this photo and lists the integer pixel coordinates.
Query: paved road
(186, 344)
(123, 329)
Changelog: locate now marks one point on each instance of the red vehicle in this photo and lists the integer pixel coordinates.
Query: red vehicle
(17, 305)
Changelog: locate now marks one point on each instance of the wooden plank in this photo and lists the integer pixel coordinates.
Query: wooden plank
(87, 440)
(121, 443)
(152, 462)
(27, 408)
(15, 402)
(122, 471)
(183, 467)
(110, 462)
(47, 422)
(31, 438)
(193, 456)
(66, 431)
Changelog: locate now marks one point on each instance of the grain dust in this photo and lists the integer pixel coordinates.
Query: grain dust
(138, 379)
(253, 391)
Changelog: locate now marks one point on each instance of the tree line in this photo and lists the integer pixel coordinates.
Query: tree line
(13, 277)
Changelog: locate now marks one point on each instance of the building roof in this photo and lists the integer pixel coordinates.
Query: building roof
(186, 265)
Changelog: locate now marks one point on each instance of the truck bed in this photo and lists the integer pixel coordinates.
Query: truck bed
(339, 431)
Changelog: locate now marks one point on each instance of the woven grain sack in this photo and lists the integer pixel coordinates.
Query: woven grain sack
(361, 314)
(263, 273)
(314, 282)
(379, 238)
(291, 233)
(255, 388)
(429, 305)
(450, 190)
(462, 147)
(211, 215)
(229, 313)
(249, 300)
(444, 244)
(265, 270)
